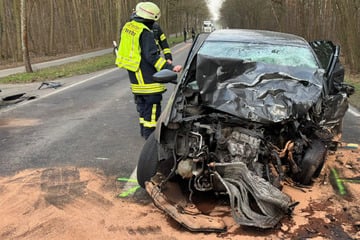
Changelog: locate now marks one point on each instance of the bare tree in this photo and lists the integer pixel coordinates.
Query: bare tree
(24, 34)
(63, 27)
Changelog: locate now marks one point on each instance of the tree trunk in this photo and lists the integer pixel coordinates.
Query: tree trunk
(24, 43)
(52, 27)
(77, 21)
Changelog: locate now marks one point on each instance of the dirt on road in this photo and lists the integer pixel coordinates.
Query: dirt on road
(79, 203)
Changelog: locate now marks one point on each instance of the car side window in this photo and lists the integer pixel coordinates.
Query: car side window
(324, 51)
(191, 76)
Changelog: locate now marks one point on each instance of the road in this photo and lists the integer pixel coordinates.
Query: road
(91, 123)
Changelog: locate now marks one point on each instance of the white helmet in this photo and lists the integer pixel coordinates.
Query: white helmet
(148, 10)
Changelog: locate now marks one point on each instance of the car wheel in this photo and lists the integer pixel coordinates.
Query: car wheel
(148, 161)
(312, 162)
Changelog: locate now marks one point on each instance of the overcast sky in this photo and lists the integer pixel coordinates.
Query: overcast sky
(214, 6)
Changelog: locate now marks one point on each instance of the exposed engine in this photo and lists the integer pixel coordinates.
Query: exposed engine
(216, 151)
(201, 146)
(220, 153)
(207, 145)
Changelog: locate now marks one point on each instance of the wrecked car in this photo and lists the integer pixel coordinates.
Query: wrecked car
(251, 110)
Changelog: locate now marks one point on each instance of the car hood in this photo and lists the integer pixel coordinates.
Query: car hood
(257, 91)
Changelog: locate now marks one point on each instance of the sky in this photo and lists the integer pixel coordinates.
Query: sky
(214, 6)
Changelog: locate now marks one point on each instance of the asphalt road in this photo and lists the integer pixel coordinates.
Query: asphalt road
(91, 121)
(88, 122)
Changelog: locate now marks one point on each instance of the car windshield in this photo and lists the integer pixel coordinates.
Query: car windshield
(285, 55)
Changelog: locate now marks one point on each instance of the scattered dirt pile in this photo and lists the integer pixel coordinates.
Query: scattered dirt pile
(73, 203)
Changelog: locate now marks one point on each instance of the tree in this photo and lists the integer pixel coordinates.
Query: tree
(24, 34)
(50, 27)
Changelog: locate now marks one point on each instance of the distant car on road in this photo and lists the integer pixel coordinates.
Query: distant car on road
(208, 26)
(251, 109)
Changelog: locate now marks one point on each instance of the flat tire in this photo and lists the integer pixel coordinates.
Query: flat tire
(148, 161)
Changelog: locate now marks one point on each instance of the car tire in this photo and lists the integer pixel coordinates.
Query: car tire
(148, 161)
(312, 162)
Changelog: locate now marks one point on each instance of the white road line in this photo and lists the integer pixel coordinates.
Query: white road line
(353, 111)
(78, 83)
(181, 49)
(58, 91)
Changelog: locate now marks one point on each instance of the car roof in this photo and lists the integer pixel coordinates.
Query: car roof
(256, 36)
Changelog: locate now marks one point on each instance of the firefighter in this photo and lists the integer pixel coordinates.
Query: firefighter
(161, 42)
(185, 32)
(139, 54)
(193, 34)
(160, 39)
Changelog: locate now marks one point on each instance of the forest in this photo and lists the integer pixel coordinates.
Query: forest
(336, 20)
(57, 27)
(75, 26)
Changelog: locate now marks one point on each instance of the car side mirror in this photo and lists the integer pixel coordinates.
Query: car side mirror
(165, 76)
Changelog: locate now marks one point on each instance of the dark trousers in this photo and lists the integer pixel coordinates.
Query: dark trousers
(149, 109)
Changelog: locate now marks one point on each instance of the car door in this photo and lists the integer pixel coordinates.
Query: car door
(336, 92)
(328, 56)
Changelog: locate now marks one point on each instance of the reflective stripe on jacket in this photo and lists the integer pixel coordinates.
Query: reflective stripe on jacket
(143, 62)
(144, 88)
(161, 41)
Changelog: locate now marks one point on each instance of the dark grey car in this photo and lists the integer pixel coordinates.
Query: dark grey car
(251, 110)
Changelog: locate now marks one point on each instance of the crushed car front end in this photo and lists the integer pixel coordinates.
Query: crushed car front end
(250, 111)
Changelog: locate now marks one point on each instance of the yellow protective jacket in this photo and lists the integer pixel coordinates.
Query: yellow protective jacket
(128, 56)
(138, 54)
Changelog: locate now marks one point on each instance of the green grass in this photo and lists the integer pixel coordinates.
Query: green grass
(65, 70)
(176, 40)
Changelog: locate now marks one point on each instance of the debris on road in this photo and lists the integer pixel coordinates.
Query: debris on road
(41, 203)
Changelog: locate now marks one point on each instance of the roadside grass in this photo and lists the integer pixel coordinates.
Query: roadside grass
(175, 40)
(355, 81)
(66, 70)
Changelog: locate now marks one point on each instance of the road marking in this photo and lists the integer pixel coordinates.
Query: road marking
(59, 90)
(81, 82)
(180, 49)
(352, 111)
